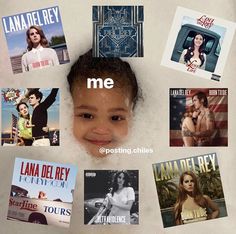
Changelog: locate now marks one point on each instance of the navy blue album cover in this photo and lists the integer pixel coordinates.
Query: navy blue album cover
(118, 31)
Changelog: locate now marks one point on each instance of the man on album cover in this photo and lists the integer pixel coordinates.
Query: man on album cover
(40, 115)
(201, 127)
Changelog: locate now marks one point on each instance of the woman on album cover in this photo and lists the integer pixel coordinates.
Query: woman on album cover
(191, 205)
(195, 55)
(121, 197)
(198, 123)
(38, 54)
(24, 124)
(188, 123)
(117, 203)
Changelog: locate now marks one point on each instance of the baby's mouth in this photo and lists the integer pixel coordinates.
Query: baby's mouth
(99, 142)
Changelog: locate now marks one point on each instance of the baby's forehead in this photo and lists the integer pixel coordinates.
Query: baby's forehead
(102, 83)
(117, 77)
(82, 90)
(103, 98)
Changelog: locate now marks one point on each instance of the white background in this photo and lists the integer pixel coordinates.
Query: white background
(151, 125)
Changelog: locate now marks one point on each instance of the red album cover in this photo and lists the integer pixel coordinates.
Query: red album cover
(198, 117)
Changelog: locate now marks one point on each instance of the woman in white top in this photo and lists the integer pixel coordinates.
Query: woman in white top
(195, 55)
(121, 198)
(37, 55)
(191, 205)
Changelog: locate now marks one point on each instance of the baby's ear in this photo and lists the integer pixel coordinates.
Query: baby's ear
(132, 108)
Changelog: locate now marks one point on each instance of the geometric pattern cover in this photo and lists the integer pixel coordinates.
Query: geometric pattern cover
(118, 31)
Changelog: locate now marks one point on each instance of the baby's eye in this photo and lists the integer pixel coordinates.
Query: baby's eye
(86, 116)
(117, 118)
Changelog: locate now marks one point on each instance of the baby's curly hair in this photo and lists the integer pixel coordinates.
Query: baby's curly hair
(120, 71)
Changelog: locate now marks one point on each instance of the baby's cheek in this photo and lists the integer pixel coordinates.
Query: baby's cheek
(77, 129)
(122, 130)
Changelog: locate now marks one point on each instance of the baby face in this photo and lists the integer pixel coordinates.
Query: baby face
(101, 117)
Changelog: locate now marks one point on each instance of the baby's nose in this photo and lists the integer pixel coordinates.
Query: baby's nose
(102, 129)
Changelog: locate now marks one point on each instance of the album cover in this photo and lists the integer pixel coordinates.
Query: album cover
(111, 197)
(118, 31)
(198, 117)
(30, 117)
(198, 44)
(35, 39)
(42, 192)
(189, 190)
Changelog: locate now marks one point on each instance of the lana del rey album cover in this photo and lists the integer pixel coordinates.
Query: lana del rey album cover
(42, 192)
(35, 39)
(189, 190)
